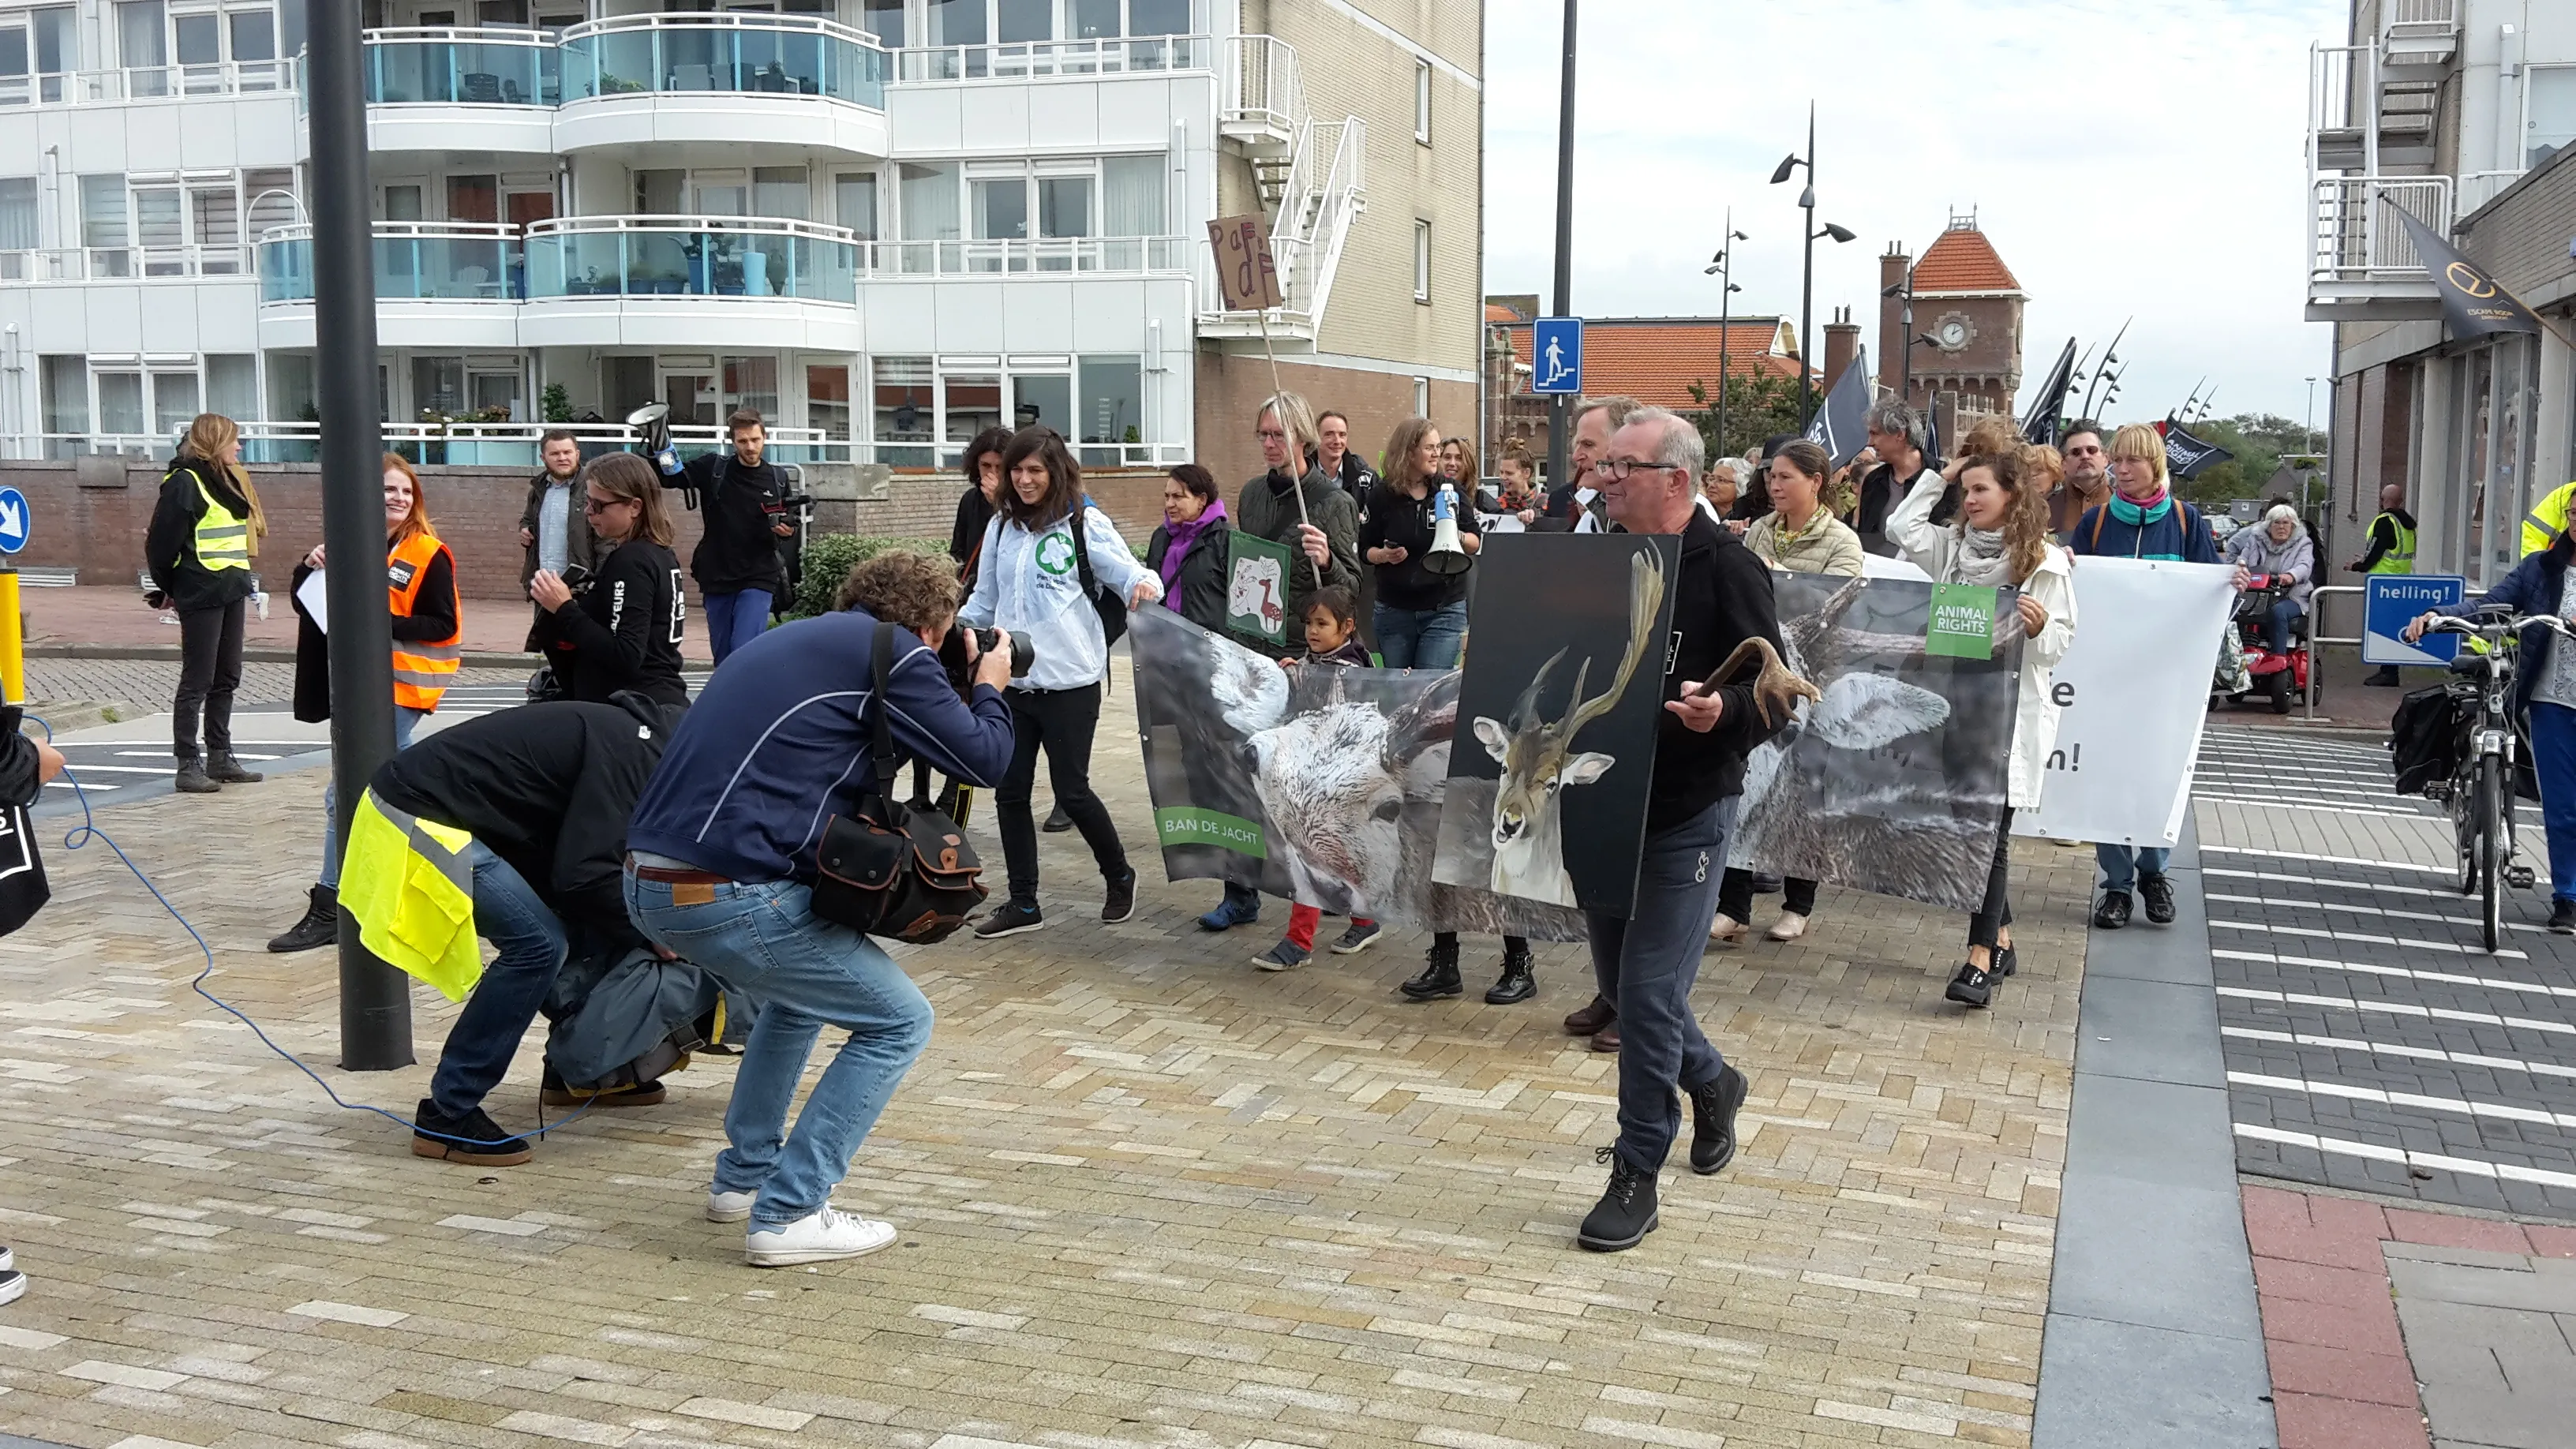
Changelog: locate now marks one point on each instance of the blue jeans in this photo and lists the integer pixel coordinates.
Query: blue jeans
(1647, 964)
(803, 973)
(734, 620)
(2553, 759)
(2276, 627)
(406, 721)
(1421, 638)
(509, 914)
(2122, 864)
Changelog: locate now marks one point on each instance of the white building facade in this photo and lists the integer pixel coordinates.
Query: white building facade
(884, 224)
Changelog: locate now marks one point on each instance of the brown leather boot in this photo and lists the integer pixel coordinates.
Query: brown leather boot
(1591, 1018)
(1606, 1039)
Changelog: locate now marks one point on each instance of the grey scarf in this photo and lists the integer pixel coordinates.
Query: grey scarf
(1980, 558)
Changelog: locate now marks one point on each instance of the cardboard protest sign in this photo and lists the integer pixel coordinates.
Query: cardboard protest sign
(1245, 272)
(1256, 589)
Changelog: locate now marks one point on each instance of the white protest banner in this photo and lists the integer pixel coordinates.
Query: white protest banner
(2133, 693)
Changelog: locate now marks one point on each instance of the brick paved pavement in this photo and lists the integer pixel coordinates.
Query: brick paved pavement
(1147, 1196)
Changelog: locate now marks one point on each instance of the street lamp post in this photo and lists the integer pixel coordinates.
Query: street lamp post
(1903, 289)
(1722, 266)
(1807, 283)
(2309, 428)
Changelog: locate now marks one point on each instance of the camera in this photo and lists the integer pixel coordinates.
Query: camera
(961, 669)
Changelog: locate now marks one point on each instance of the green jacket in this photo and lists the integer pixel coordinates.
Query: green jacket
(1267, 512)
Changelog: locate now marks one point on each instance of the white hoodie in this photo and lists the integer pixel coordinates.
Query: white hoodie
(1029, 585)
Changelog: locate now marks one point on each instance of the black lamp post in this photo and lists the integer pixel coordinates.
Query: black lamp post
(1903, 289)
(1807, 284)
(1722, 266)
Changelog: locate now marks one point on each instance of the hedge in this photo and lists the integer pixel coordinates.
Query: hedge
(830, 557)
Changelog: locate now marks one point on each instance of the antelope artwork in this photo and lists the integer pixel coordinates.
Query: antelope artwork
(1539, 759)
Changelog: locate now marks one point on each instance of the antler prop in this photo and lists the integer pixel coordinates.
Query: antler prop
(1645, 600)
(1774, 688)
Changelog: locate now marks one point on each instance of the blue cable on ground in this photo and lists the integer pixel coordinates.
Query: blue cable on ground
(79, 837)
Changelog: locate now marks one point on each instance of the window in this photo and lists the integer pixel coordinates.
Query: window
(1042, 398)
(66, 401)
(854, 202)
(779, 191)
(1422, 101)
(900, 409)
(657, 193)
(971, 402)
(174, 402)
(14, 58)
(827, 400)
(142, 48)
(120, 403)
(1422, 397)
(1158, 17)
(18, 214)
(957, 22)
(1131, 196)
(473, 198)
(290, 387)
(232, 384)
(214, 226)
(1422, 261)
(402, 203)
(1064, 206)
(159, 230)
(1113, 407)
(36, 48)
(1002, 208)
(929, 197)
(1022, 20)
(751, 382)
(722, 193)
(268, 199)
(884, 19)
(1096, 19)
(437, 386)
(103, 226)
(2549, 112)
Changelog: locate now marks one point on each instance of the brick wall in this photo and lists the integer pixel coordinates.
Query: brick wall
(1231, 386)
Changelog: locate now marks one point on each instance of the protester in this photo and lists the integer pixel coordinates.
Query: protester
(1719, 487)
(983, 462)
(1267, 508)
(722, 865)
(553, 533)
(1332, 629)
(1421, 615)
(1800, 536)
(742, 498)
(2281, 549)
(1188, 549)
(2390, 548)
(1335, 460)
(622, 631)
(428, 630)
(1458, 462)
(25, 766)
(2001, 541)
(2547, 519)
(2088, 478)
(2140, 519)
(1575, 506)
(1892, 466)
(1646, 963)
(1517, 504)
(1031, 584)
(205, 530)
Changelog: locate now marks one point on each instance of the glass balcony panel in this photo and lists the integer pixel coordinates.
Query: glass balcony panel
(768, 265)
(628, 63)
(595, 264)
(837, 271)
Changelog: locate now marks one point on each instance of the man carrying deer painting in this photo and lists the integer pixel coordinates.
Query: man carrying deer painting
(1647, 962)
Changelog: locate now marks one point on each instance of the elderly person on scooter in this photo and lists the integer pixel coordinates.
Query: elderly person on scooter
(2281, 550)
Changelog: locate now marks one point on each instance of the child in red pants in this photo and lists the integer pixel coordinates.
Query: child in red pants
(1332, 637)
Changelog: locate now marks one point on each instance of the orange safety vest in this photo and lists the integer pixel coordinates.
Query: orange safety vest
(422, 670)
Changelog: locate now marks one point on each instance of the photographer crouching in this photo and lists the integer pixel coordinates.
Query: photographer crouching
(724, 859)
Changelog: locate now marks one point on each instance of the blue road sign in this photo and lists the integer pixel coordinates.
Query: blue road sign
(2389, 600)
(17, 520)
(1556, 355)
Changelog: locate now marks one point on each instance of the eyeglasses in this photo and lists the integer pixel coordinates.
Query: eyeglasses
(1270, 435)
(2084, 452)
(591, 504)
(1620, 468)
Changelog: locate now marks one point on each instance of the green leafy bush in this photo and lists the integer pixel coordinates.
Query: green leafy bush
(830, 557)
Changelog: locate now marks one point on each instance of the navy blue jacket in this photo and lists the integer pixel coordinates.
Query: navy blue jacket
(779, 741)
(2181, 535)
(2534, 587)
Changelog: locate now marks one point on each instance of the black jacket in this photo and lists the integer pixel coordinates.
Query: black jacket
(170, 544)
(21, 769)
(434, 615)
(624, 632)
(1878, 494)
(738, 552)
(1398, 520)
(1201, 595)
(1721, 597)
(966, 536)
(548, 788)
(1358, 479)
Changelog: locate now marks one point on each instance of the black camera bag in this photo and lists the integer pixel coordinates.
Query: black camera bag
(888, 869)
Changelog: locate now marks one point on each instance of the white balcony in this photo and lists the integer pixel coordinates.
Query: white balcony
(124, 264)
(2363, 266)
(147, 83)
(1262, 99)
(721, 80)
(461, 89)
(2419, 32)
(1052, 59)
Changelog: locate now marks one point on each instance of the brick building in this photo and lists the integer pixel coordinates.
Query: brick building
(1967, 332)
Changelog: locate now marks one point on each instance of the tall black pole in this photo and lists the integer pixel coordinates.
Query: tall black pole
(375, 1000)
(1725, 314)
(1807, 284)
(1561, 410)
(1905, 343)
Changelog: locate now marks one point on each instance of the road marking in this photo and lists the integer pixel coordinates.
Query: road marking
(2268, 805)
(2328, 859)
(2374, 887)
(2456, 1106)
(2427, 1054)
(2484, 983)
(165, 754)
(66, 784)
(80, 768)
(2316, 934)
(2465, 921)
(2511, 1172)
(2395, 1008)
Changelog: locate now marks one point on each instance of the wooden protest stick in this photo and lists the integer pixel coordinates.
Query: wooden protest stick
(1250, 282)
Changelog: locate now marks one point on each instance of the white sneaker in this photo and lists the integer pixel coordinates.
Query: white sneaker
(6, 1263)
(821, 1238)
(728, 1207)
(1727, 929)
(1790, 927)
(13, 1285)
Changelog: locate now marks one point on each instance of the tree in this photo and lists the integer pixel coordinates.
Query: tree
(1758, 406)
(2259, 440)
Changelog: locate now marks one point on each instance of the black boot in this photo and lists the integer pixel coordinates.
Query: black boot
(320, 926)
(1626, 1212)
(1439, 976)
(1714, 1104)
(1518, 982)
(192, 779)
(223, 769)
(1057, 822)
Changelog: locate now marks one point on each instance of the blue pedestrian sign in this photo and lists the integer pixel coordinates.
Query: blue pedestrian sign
(2388, 601)
(17, 520)
(1556, 355)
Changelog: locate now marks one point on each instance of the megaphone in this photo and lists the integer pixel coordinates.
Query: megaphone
(1446, 557)
(650, 421)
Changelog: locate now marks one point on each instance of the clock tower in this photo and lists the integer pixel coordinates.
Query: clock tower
(1967, 322)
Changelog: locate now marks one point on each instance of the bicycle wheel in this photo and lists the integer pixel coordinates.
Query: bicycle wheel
(2491, 848)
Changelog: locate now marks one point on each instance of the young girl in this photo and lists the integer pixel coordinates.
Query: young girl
(1332, 637)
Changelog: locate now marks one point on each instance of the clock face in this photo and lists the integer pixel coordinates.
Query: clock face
(1954, 334)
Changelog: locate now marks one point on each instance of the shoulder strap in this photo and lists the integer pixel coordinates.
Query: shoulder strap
(884, 668)
(2101, 511)
(1081, 550)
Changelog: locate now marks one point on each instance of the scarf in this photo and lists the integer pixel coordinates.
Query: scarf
(1181, 536)
(1980, 558)
(2138, 515)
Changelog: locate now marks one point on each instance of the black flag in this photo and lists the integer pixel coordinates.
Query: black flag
(2039, 425)
(2472, 304)
(2187, 457)
(1840, 426)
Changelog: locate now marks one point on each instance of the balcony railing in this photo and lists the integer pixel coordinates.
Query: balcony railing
(673, 256)
(747, 53)
(1261, 92)
(515, 445)
(447, 261)
(2358, 235)
(1038, 255)
(148, 82)
(117, 264)
(2477, 188)
(471, 67)
(1036, 58)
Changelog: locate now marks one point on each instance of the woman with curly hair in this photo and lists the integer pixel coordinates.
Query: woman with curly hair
(2000, 540)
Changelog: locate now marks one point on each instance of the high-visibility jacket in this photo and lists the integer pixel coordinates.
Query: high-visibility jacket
(409, 884)
(2546, 520)
(223, 536)
(422, 670)
(2401, 558)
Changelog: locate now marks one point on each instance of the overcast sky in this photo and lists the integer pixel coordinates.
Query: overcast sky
(2125, 159)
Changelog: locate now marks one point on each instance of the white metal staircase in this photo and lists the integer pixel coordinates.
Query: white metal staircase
(1309, 174)
(2373, 117)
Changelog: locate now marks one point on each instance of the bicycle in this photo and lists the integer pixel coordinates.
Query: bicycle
(2479, 794)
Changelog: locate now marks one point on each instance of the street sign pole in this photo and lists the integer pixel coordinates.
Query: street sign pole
(17, 523)
(375, 999)
(1560, 417)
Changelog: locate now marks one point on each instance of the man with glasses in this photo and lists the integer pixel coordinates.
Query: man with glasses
(1646, 962)
(2088, 478)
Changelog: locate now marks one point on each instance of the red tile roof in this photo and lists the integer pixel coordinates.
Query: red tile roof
(1497, 312)
(1655, 360)
(1962, 260)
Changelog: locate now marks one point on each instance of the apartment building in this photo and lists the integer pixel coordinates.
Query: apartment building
(886, 224)
(2461, 113)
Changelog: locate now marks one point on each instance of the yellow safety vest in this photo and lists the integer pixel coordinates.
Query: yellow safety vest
(410, 887)
(2547, 519)
(223, 536)
(2400, 559)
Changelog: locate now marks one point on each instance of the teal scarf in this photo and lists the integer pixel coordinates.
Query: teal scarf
(2139, 515)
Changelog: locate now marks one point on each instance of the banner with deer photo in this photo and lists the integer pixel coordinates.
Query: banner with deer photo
(1894, 781)
(1320, 784)
(1558, 703)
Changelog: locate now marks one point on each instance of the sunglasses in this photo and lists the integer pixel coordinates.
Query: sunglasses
(601, 505)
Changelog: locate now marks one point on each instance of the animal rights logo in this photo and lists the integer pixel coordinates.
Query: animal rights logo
(1055, 554)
